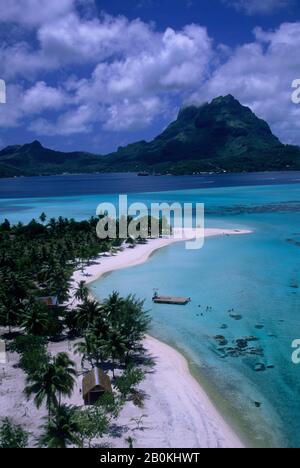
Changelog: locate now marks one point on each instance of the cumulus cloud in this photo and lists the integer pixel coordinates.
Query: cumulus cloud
(33, 12)
(261, 7)
(41, 97)
(73, 122)
(174, 61)
(23, 103)
(260, 75)
(125, 74)
(134, 68)
(133, 115)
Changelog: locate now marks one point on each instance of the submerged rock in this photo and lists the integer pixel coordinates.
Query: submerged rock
(221, 340)
(259, 367)
(242, 344)
(236, 316)
(256, 352)
(251, 338)
(234, 352)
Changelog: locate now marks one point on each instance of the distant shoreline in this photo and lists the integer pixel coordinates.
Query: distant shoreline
(149, 174)
(195, 408)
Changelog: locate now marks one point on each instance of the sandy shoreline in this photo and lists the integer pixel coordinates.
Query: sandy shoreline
(140, 254)
(177, 415)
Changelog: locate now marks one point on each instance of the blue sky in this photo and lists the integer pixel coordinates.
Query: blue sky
(94, 75)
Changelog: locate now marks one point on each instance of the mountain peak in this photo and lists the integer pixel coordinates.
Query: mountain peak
(228, 99)
(190, 111)
(35, 144)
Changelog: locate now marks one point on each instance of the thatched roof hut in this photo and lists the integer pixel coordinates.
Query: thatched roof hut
(50, 301)
(94, 384)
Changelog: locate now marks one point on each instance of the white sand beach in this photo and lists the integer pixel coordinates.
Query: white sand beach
(177, 412)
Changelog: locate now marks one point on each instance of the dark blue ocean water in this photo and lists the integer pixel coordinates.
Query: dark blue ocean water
(89, 184)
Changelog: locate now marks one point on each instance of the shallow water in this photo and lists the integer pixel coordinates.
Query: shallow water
(257, 275)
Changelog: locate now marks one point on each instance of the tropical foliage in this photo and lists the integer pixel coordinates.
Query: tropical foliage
(52, 380)
(61, 429)
(37, 262)
(12, 436)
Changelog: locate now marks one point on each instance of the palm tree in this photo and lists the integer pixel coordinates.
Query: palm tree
(115, 346)
(87, 313)
(82, 292)
(113, 305)
(35, 319)
(54, 379)
(61, 430)
(128, 324)
(93, 349)
(68, 373)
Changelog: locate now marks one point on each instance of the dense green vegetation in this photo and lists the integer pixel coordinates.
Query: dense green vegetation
(216, 137)
(37, 262)
(12, 436)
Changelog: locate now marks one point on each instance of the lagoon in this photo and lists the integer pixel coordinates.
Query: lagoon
(255, 277)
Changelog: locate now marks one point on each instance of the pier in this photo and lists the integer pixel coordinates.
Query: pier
(171, 300)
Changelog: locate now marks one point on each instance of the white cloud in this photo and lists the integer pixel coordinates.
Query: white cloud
(41, 97)
(134, 88)
(33, 12)
(126, 74)
(76, 40)
(133, 115)
(22, 104)
(260, 75)
(135, 68)
(11, 112)
(73, 122)
(261, 7)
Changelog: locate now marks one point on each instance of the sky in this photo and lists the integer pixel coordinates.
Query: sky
(94, 75)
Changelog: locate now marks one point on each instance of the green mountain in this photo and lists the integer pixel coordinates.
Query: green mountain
(34, 159)
(219, 136)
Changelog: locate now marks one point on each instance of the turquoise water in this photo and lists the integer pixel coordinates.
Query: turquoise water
(257, 275)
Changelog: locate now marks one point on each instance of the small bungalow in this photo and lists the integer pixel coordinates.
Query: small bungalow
(94, 384)
(50, 301)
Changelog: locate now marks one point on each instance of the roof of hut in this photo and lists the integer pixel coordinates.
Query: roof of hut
(95, 380)
(51, 301)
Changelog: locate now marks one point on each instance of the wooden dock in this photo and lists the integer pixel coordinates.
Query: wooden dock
(171, 300)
